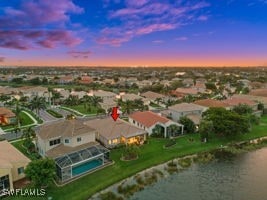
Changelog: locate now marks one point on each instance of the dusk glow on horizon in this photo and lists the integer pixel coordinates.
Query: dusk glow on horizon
(133, 33)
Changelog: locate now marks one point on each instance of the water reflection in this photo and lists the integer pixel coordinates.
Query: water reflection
(241, 178)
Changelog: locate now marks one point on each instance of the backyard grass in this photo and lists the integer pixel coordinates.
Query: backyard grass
(22, 149)
(151, 154)
(80, 108)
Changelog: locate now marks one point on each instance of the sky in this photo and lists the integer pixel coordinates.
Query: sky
(133, 33)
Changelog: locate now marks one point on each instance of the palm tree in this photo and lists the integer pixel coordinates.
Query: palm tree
(27, 136)
(127, 106)
(72, 100)
(37, 103)
(50, 91)
(95, 100)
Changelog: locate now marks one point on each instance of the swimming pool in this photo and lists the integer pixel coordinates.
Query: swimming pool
(85, 167)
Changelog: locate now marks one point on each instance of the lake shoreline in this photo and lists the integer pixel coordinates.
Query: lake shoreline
(173, 166)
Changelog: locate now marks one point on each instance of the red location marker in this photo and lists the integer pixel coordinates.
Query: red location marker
(115, 113)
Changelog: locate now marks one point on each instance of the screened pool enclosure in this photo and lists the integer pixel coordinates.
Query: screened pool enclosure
(82, 161)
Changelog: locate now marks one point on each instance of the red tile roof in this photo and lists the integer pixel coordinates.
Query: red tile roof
(236, 101)
(211, 103)
(259, 92)
(148, 118)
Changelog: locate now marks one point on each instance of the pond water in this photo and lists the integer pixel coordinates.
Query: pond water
(242, 178)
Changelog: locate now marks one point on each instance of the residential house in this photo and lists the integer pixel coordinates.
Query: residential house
(188, 82)
(64, 80)
(31, 92)
(144, 83)
(234, 101)
(12, 165)
(7, 116)
(132, 97)
(257, 99)
(107, 104)
(148, 120)
(85, 80)
(71, 143)
(111, 133)
(259, 92)
(211, 103)
(105, 95)
(190, 110)
(153, 96)
(79, 94)
(181, 92)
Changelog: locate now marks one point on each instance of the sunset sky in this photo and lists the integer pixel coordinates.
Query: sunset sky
(133, 32)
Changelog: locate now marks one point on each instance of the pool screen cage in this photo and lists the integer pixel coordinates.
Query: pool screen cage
(67, 162)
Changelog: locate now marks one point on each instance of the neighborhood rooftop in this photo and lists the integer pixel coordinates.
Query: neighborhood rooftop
(111, 129)
(183, 107)
(64, 128)
(211, 103)
(9, 155)
(148, 118)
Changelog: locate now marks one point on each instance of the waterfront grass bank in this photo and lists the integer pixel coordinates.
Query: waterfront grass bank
(151, 154)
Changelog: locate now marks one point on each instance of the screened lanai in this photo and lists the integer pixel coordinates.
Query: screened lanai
(81, 161)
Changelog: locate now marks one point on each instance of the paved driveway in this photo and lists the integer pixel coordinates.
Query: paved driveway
(46, 117)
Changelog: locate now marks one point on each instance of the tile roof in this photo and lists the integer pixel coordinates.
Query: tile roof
(152, 95)
(9, 154)
(259, 92)
(67, 128)
(184, 107)
(211, 103)
(148, 118)
(110, 129)
(236, 101)
(6, 112)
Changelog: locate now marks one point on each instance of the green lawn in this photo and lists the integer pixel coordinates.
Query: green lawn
(151, 154)
(54, 113)
(34, 115)
(80, 108)
(25, 120)
(22, 149)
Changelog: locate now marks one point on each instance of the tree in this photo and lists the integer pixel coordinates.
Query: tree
(173, 130)
(72, 100)
(260, 106)
(158, 131)
(130, 152)
(41, 172)
(242, 109)
(37, 103)
(205, 130)
(189, 126)
(27, 136)
(227, 123)
(127, 106)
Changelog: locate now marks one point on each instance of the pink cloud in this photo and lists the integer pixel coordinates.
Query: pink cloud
(38, 13)
(154, 27)
(2, 59)
(143, 17)
(136, 3)
(27, 39)
(25, 27)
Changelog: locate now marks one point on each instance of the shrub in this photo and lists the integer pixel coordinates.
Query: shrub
(170, 143)
(185, 162)
(55, 114)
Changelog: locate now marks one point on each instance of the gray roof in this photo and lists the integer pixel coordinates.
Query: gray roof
(110, 129)
(64, 128)
(184, 107)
